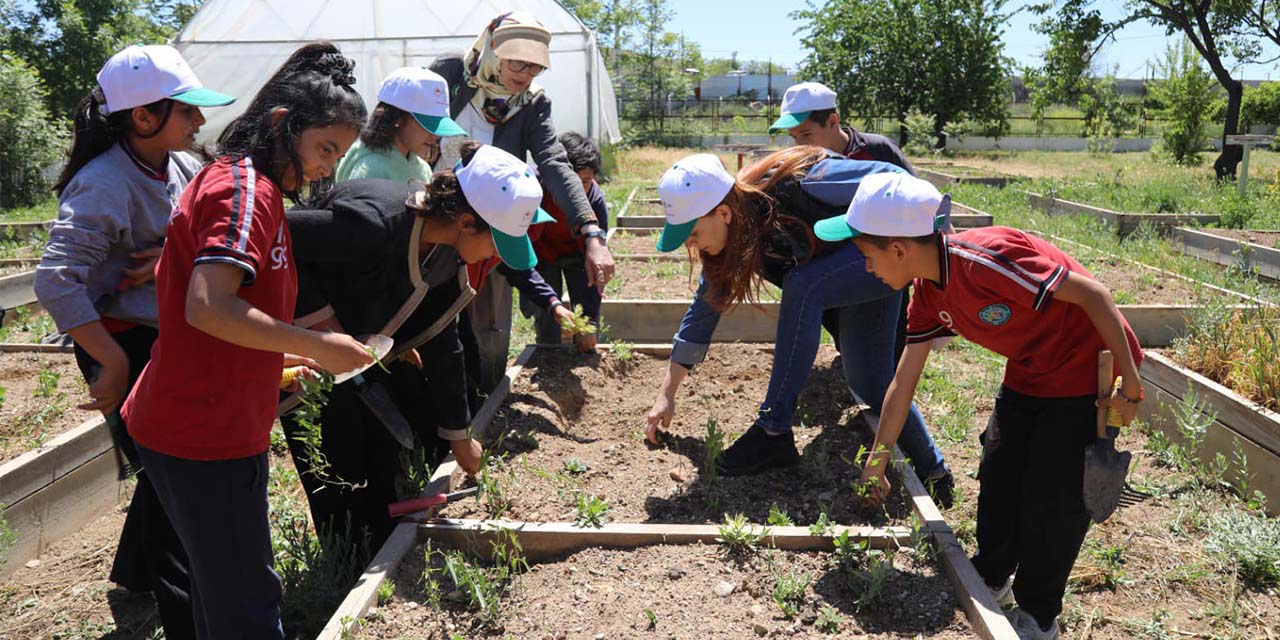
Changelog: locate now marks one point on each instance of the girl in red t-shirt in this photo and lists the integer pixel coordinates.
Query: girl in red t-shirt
(203, 408)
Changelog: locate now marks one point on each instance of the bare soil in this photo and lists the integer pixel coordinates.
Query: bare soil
(1164, 580)
(1132, 284)
(28, 420)
(624, 242)
(664, 280)
(31, 329)
(1265, 238)
(669, 592)
(565, 406)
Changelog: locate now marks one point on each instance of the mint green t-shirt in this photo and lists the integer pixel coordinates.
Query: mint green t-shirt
(389, 164)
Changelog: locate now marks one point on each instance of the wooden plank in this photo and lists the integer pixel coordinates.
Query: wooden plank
(61, 509)
(1245, 417)
(18, 290)
(641, 222)
(1259, 259)
(543, 540)
(657, 321)
(41, 467)
(20, 347)
(651, 257)
(975, 597)
(1125, 223)
(626, 204)
(20, 230)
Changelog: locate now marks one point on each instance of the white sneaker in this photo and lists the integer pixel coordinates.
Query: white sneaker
(1004, 595)
(1028, 629)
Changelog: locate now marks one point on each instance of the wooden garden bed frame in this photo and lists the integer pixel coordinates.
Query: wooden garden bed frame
(18, 290)
(941, 179)
(19, 230)
(1124, 223)
(1260, 260)
(548, 539)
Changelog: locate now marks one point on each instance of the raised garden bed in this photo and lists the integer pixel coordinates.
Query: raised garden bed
(1124, 223)
(944, 175)
(1256, 252)
(41, 391)
(18, 290)
(548, 598)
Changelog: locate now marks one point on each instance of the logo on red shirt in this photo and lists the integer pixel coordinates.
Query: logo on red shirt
(279, 252)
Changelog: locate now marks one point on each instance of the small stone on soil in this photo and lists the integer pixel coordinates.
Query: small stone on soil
(675, 573)
(33, 563)
(760, 629)
(677, 475)
(724, 588)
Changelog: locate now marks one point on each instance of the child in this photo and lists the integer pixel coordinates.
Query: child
(1025, 299)
(757, 228)
(126, 168)
(402, 138)
(370, 262)
(203, 407)
(560, 254)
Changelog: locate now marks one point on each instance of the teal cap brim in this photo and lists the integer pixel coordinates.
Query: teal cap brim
(834, 229)
(788, 121)
(440, 125)
(674, 235)
(203, 98)
(516, 251)
(541, 216)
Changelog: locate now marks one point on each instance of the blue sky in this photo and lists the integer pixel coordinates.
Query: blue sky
(760, 29)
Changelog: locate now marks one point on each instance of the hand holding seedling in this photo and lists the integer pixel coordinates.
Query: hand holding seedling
(338, 352)
(144, 269)
(873, 486)
(659, 417)
(586, 342)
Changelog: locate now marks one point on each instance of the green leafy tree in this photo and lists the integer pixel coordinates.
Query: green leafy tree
(30, 141)
(67, 41)
(1261, 105)
(884, 57)
(1186, 92)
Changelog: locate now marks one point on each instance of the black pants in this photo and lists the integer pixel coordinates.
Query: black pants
(149, 556)
(1031, 513)
(365, 472)
(219, 509)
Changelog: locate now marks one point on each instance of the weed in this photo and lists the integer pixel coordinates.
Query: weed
(778, 517)
(921, 539)
(7, 536)
(47, 383)
(849, 551)
(714, 448)
(386, 589)
(1249, 543)
(310, 434)
(493, 482)
(652, 617)
(829, 620)
(1111, 563)
(450, 575)
(868, 569)
(590, 511)
(622, 352)
(575, 467)
(738, 537)
(316, 571)
(788, 592)
(822, 526)
(3, 391)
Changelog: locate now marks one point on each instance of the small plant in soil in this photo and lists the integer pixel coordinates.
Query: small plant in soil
(575, 467)
(315, 395)
(778, 517)
(1110, 561)
(868, 570)
(451, 576)
(590, 511)
(493, 481)
(3, 390)
(622, 352)
(386, 589)
(7, 536)
(829, 620)
(739, 537)
(822, 526)
(788, 592)
(714, 448)
(1249, 544)
(47, 383)
(579, 324)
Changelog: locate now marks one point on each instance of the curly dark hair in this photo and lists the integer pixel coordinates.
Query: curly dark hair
(379, 132)
(444, 199)
(582, 151)
(314, 84)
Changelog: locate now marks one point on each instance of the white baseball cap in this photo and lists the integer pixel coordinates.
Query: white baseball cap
(893, 205)
(690, 189)
(142, 74)
(424, 94)
(506, 194)
(799, 101)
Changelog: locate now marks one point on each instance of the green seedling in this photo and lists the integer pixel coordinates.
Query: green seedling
(451, 575)
(493, 481)
(3, 391)
(590, 511)
(652, 617)
(714, 448)
(1111, 564)
(47, 383)
(373, 353)
(386, 589)
(829, 620)
(788, 592)
(578, 324)
(623, 352)
(738, 537)
(575, 467)
(778, 517)
(822, 527)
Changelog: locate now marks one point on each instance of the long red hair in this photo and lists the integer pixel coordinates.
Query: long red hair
(734, 276)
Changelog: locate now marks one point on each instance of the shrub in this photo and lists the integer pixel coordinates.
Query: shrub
(30, 141)
(1186, 94)
(1249, 543)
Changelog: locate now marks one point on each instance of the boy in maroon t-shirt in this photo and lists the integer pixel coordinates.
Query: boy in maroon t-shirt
(1028, 301)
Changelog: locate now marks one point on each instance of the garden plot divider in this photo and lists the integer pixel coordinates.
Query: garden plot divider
(1173, 388)
(55, 490)
(941, 179)
(18, 290)
(540, 540)
(1258, 259)
(1124, 223)
(23, 230)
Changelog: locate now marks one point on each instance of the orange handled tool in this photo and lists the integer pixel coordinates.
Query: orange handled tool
(397, 509)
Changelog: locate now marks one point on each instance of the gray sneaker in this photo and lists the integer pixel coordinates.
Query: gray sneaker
(1004, 595)
(1028, 629)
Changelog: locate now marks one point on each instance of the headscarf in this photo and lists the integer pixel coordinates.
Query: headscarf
(492, 100)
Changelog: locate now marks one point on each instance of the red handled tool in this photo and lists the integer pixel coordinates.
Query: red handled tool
(397, 509)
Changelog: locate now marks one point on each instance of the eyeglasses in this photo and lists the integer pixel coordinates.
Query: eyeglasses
(517, 66)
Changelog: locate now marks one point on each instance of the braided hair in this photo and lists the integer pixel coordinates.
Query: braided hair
(315, 86)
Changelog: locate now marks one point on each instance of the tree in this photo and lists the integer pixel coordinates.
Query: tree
(1186, 93)
(30, 141)
(613, 22)
(67, 41)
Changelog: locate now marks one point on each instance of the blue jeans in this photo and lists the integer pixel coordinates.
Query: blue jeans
(868, 311)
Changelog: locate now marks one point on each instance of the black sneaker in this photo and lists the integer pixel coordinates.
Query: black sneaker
(942, 489)
(756, 451)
